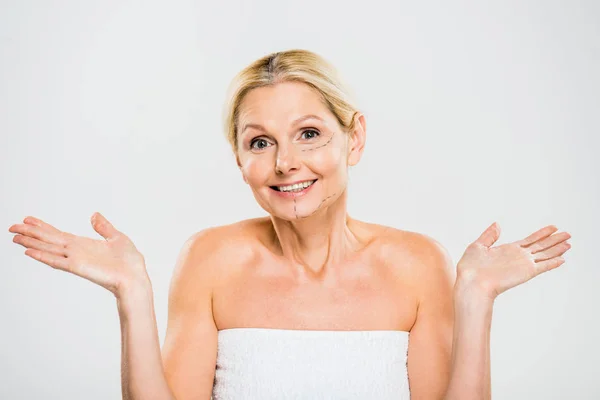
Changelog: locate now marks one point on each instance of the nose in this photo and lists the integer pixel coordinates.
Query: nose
(287, 159)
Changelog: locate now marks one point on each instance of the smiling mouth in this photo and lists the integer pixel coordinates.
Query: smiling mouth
(298, 187)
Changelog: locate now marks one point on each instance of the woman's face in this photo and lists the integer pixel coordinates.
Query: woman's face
(292, 151)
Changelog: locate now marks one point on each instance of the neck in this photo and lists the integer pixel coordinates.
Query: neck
(316, 243)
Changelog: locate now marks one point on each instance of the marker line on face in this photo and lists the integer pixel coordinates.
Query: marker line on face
(295, 209)
(318, 147)
(319, 206)
(317, 209)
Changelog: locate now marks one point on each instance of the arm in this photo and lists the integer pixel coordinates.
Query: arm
(142, 375)
(190, 347)
(115, 264)
(483, 273)
(449, 347)
(187, 368)
(470, 377)
(430, 344)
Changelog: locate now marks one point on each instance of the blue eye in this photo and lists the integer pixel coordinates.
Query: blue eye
(311, 136)
(261, 142)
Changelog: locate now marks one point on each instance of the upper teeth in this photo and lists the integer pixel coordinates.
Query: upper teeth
(301, 185)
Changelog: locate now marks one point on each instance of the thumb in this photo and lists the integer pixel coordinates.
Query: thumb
(103, 227)
(489, 236)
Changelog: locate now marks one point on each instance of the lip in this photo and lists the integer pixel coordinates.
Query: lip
(292, 195)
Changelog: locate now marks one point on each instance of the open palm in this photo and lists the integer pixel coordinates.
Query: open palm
(110, 263)
(497, 269)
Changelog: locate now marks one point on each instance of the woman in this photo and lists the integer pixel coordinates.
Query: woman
(308, 302)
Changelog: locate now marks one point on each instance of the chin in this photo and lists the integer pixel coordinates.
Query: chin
(293, 210)
(291, 214)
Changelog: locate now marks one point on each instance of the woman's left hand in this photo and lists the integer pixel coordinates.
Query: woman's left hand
(494, 270)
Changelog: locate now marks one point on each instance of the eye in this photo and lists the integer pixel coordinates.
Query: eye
(310, 134)
(259, 144)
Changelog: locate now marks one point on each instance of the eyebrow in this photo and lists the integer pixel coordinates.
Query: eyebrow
(295, 122)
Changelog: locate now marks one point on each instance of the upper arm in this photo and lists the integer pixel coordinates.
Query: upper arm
(430, 344)
(190, 348)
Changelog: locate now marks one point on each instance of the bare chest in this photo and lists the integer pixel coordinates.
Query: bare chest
(361, 297)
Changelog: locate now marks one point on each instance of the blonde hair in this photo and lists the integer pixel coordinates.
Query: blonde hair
(290, 66)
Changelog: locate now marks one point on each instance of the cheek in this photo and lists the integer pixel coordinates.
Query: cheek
(328, 161)
(256, 170)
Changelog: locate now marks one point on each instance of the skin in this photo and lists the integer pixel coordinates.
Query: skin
(308, 265)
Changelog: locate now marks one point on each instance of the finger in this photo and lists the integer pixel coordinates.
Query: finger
(52, 260)
(32, 243)
(547, 265)
(53, 237)
(552, 252)
(550, 241)
(103, 227)
(39, 223)
(489, 236)
(538, 235)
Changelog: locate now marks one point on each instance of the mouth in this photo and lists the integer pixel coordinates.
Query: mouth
(295, 188)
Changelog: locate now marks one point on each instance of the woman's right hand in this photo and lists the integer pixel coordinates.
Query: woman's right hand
(113, 263)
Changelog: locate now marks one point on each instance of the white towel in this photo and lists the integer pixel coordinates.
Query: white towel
(259, 363)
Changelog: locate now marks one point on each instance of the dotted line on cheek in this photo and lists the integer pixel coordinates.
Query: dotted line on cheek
(319, 206)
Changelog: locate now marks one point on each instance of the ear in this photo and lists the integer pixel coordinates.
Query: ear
(357, 138)
(239, 164)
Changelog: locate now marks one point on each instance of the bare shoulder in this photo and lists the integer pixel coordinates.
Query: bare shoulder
(419, 255)
(418, 246)
(427, 267)
(204, 258)
(219, 248)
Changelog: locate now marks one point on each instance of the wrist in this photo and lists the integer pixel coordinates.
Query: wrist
(472, 284)
(133, 294)
(133, 283)
(468, 292)
(472, 308)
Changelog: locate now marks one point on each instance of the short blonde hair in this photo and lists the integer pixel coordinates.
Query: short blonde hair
(292, 65)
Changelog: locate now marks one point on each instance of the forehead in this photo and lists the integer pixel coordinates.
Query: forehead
(281, 102)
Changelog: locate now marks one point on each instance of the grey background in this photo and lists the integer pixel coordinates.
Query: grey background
(475, 113)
